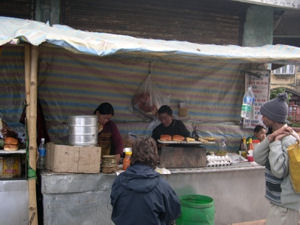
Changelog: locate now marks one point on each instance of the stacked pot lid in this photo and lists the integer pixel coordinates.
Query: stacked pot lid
(83, 130)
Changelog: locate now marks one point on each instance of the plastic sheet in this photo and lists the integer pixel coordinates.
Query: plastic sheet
(71, 84)
(103, 44)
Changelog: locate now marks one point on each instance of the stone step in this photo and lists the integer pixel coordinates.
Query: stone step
(256, 222)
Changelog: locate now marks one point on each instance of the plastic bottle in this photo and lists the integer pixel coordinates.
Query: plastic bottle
(247, 106)
(250, 144)
(243, 148)
(195, 134)
(243, 145)
(250, 151)
(222, 146)
(42, 155)
(126, 161)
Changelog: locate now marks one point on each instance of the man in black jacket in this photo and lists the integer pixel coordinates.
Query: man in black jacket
(139, 195)
(168, 124)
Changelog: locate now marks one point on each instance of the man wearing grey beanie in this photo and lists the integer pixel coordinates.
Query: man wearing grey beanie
(272, 153)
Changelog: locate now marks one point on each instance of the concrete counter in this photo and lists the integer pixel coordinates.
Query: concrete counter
(14, 202)
(78, 199)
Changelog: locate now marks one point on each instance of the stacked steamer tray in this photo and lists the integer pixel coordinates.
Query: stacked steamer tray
(83, 130)
(109, 164)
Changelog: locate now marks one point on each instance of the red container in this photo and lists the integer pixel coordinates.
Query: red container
(250, 158)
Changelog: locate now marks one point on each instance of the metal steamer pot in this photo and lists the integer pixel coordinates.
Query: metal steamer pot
(83, 130)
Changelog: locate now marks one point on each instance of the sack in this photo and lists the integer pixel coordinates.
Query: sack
(294, 165)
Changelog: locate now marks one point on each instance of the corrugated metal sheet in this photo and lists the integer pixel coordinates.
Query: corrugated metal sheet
(205, 21)
(17, 8)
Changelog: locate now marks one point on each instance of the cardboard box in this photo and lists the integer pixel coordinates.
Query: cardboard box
(73, 159)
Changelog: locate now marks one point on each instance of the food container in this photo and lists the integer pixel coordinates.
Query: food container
(83, 120)
(109, 164)
(11, 167)
(83, 140)
(83, 130)
(250, 158)
(243, 154)
(183, 109)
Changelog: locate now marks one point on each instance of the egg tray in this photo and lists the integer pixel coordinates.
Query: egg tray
(186, 142)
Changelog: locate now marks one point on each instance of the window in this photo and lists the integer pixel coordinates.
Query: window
(285, 70)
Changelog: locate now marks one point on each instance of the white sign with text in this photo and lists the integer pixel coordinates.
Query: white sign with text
(260, 84)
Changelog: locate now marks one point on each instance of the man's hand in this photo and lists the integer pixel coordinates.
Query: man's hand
(282, 132)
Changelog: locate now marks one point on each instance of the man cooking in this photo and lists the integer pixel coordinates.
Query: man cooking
(169, 125)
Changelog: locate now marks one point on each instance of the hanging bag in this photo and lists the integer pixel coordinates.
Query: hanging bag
(147, 98)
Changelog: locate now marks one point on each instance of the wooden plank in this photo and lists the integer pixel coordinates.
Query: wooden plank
(182, 157)
(27, 58)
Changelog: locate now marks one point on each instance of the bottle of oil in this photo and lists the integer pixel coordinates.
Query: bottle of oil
(250, 151)
(243, 148)
(243, 145)
(126, 161)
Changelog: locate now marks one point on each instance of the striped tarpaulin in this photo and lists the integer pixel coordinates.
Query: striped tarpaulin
(71, 84)
(12, 92)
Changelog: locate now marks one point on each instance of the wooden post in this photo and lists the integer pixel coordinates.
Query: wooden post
(32, 133)
(27, 76)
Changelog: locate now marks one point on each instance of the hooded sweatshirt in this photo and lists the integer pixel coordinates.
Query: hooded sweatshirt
(140, 196)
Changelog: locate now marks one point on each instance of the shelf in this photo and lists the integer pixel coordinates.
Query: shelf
(12, 179)
(21, 151)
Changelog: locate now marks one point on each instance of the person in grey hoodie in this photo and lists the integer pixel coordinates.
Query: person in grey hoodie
(272, 153)
(139, 195)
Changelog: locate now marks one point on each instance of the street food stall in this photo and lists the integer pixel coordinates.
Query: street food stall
(72, 71)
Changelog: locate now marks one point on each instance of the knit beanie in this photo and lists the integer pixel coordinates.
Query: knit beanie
(276, 109)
